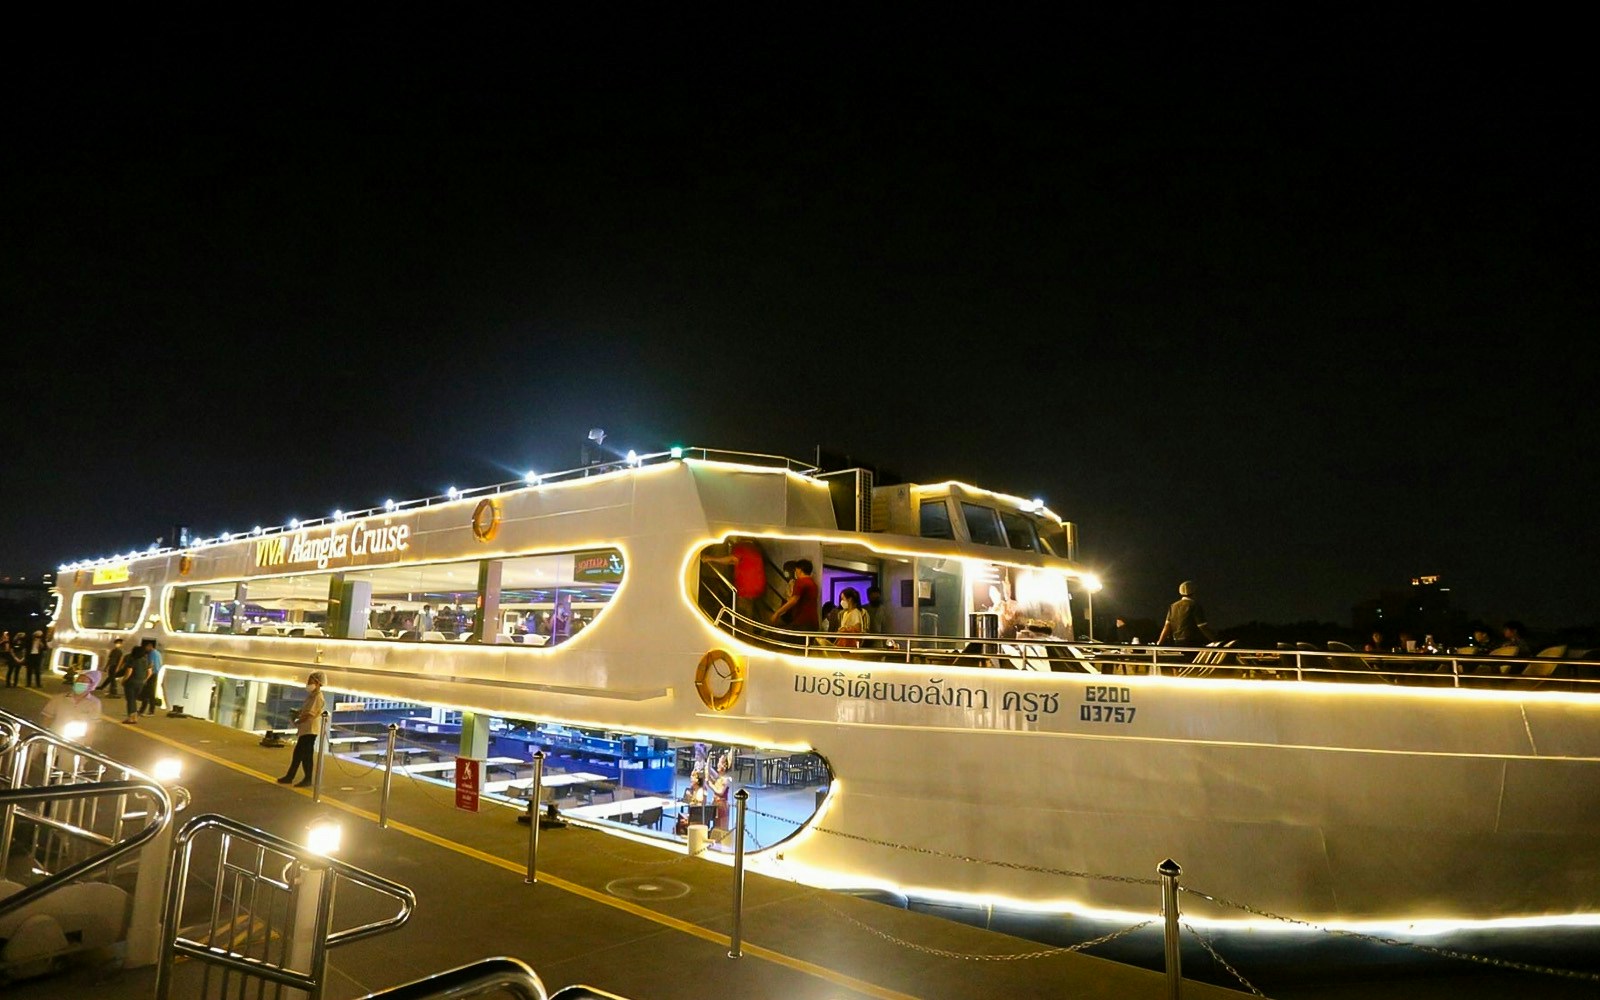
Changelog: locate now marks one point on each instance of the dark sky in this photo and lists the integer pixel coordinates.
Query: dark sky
(1297, 310)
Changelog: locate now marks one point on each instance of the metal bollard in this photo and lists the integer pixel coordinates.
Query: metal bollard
(316, 763)
(735, 944)
(535, 792)
(388, 778)
(1169, 872)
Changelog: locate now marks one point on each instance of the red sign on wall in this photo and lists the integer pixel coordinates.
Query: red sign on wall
(468, 772)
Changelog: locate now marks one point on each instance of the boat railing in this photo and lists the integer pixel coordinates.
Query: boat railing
(631, 461)
(490, 975)
(1047, 654)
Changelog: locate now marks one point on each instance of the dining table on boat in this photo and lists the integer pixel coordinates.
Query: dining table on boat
(622, 807)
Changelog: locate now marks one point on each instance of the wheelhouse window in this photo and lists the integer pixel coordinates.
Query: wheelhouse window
(117, 610)
(983, 524)
(935, 517)
(1019, 531)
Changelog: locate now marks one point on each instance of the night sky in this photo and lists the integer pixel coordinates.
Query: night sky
(1298, 310)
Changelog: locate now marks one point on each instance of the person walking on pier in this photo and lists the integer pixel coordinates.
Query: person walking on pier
(113, 668)
(38, 651)
(135, 671)
(60, 712)
(11, 653)
(149, 694)
(307, 721)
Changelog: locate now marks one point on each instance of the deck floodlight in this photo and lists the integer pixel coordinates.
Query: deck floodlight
(531, 478)
(294, 522)
(677, 451)
(167, 770)
(323, 838)
(633, 457)
(389, 505)
(452, 492)
(597, 435)
(1091, 583)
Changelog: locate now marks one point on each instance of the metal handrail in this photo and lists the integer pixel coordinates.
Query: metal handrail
(507, 974)
(676, 454)
(1406, 669)
(177, 878)
(160, 816)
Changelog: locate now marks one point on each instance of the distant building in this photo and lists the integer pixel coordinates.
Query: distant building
(1421, 609)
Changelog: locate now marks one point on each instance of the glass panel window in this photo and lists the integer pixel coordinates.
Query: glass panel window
(983, 524)
(206, 607)
(546, 600)
(435, 603)
(119, 610)
(1019, 531)
(286, 606)
(935, 519)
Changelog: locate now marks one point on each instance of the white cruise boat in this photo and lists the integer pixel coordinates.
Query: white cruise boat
(971, 752)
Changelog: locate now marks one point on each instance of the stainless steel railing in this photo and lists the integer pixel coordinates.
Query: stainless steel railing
(503, 975)
(1446, 669)
(491, 975)
(275, 896)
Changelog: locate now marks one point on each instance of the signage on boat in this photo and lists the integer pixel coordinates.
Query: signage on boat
(336, 546)
(111, 574)
(604, 566)
(468, 772)
(1102, 703)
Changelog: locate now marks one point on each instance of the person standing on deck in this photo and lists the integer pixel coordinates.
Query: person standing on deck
(799, 612)
(1186, 623)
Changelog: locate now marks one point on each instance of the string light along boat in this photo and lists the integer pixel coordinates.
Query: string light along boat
(1326, 787)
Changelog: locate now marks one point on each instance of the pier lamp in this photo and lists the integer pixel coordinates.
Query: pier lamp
(323, 838)
(1091, 585)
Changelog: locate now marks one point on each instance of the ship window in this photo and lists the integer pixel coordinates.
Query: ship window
(1019, 531)
(435, 603)
(119, 610)
(287, 605)
(983, 524)
(207, 607)
(546, 600)
(935, 519)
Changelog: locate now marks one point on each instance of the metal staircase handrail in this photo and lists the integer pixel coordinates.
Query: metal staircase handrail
(161, 816)
(490, 974)
(302, 854)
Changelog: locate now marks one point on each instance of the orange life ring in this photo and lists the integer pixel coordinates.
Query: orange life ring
(485, 519)
(719, 664)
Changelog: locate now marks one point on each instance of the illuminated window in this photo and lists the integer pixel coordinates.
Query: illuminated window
(117, 610)
(935, 515)
(1019, 531)
(983, 524)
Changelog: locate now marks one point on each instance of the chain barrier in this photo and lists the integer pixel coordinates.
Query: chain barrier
(1235, 973)
(702, 852)
(1464, 956)
(977, 957)
(1013, 865)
